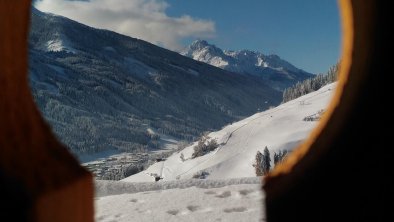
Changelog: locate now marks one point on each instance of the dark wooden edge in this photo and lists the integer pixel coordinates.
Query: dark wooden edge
(334, 175)
(31, 159)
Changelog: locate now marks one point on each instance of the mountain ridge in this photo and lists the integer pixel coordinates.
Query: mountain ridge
(275, 71)
(101, 90)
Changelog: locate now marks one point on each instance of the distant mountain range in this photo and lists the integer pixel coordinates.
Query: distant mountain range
(100, 90)
(276, 72)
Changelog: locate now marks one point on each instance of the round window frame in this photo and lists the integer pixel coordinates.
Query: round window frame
(359, 19)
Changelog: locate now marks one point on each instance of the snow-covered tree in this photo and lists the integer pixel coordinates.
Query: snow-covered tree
(204, 146)
(258, 164)
(262, 163)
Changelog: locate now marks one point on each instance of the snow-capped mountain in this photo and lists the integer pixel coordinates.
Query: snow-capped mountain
(100, 90)
(275, 71)
(280, 128)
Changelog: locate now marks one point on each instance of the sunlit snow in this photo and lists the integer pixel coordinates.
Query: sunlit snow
(231, 191)
(279, 128)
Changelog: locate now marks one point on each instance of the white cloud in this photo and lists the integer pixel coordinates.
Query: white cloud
(143, 19)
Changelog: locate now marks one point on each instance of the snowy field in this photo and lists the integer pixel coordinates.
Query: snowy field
(203, 202)
(231, 191)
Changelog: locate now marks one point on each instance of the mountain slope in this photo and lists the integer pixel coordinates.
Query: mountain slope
(100, 90)
(274, 70)
(280, 128)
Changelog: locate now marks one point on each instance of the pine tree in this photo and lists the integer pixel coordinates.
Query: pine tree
(258, 164)
(266, 161)
(280, 156)
(310, 85)
(283, 155)
(276, 158)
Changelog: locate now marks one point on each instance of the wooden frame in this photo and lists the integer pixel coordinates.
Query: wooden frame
(334, 175)
(334, 169)
(40, 178)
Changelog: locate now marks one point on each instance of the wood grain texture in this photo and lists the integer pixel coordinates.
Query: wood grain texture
(42, 179)
(342, 172)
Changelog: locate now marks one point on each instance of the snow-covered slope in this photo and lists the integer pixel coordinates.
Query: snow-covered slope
(278, 72)
(236, 202)
(279, 128)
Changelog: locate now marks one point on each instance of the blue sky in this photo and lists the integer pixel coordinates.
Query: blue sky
(304, 32)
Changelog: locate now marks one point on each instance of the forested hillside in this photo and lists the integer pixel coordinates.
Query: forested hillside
(311, 85)
(100, 90)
